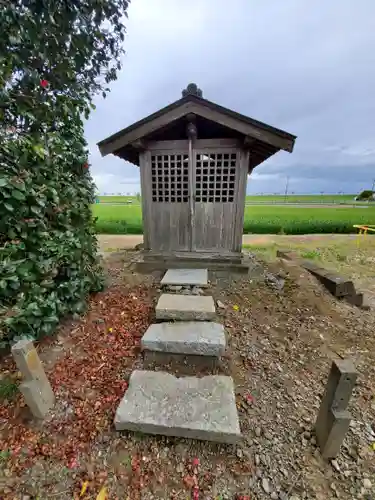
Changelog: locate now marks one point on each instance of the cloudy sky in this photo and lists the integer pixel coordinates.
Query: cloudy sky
(306, 67)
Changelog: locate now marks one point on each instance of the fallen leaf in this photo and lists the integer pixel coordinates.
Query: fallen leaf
(195, 462)
(102, 495)
(235, 307)
(86, 378)
(249, 398)
(84, 488)
(72, 463)
(189, 481)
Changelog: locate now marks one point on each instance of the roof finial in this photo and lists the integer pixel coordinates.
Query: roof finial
(192, 89)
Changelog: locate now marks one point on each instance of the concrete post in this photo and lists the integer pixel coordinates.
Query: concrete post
(333, 418)
(35, 388)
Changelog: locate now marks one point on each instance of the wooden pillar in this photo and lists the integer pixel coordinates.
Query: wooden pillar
(146, 196)
(191, 130)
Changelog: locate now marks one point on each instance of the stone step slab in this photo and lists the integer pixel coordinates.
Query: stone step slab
(189, 407)
(185, 307)
(201, 338)
(186, 277)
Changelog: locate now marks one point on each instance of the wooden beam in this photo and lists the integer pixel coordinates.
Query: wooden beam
(243, 127)
(198, 109)
(248, 142)
(191, 131)
(146, 128)
(139, 144)
(178, 145)
(183, 145)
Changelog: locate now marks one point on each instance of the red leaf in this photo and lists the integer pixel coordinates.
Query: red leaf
(196, 493)
(189, 481)
(72, 463)
(249, 398)
(44, 83)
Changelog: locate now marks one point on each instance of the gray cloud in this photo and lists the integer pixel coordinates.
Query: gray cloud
(307, 67)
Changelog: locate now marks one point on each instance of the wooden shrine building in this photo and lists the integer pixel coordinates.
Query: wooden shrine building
(194, 158)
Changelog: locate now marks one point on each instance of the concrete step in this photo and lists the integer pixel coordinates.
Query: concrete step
(189, 407)
(185, 307)
(147, 266)
(184, 277)
(202, 338)
(196, 256)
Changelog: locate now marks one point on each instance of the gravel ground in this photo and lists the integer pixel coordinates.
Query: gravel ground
(283, 330)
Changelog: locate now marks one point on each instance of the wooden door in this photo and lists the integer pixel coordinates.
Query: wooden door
(215, 181)
(169, 214)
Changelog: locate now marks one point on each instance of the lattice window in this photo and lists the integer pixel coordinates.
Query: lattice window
(215, 177)
(170, 178)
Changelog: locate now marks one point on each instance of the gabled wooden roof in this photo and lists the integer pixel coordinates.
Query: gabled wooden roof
(213, 121)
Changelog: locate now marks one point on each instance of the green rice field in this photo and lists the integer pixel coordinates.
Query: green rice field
(290, 198)
(127, 219)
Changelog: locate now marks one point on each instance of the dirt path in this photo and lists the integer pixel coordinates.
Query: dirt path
(111, 242)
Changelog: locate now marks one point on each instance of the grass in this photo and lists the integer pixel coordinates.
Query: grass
(127, 219)
(341, 254)
(118, 219)
(301, 198)
(8, 388)
(118, 199)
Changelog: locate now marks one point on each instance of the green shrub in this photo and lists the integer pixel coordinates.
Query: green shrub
(55, 57)
(366, 195)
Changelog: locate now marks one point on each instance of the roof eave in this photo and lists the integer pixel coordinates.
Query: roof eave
(231, 119)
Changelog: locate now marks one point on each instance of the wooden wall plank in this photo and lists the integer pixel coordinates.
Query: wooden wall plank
(146, 195)
(178, 145)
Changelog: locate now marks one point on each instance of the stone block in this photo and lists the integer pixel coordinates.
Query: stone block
(36, 387)
(194, 277)
(189, 407)
(337, 285)
(185, 308)
(39, 398)
(288, 255)
(181, 364)
(331, 421)
(338, 422)
(192, 337)
(27, 360)
(357, 299)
